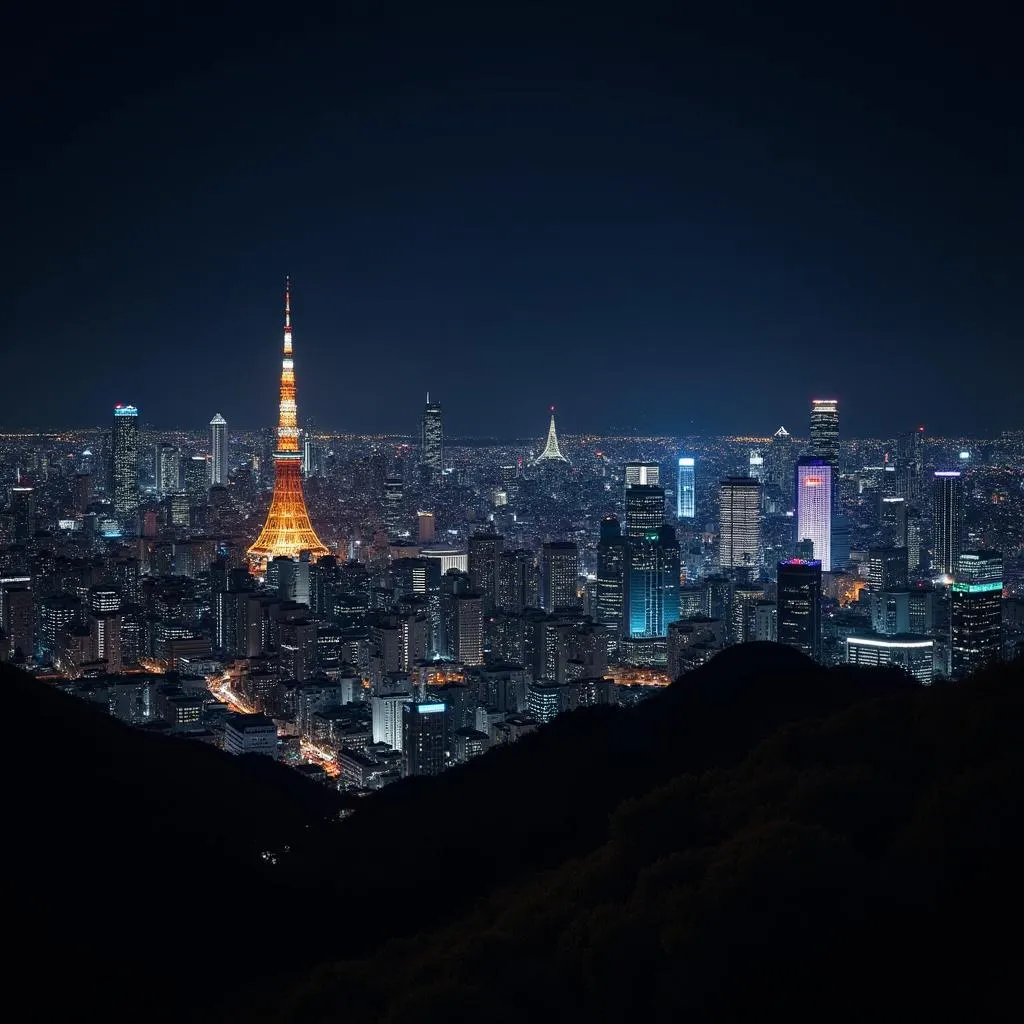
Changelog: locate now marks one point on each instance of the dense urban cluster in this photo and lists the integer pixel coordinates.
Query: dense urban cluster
(368, 608)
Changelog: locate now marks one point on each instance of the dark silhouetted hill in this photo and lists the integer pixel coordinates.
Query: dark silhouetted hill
(127, 855)
(158, 840)
(858, 861)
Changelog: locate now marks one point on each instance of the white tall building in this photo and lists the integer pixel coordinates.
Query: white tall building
(739, 539)
(641, 474)
(814, 507)
(219, 451)
(387, 718)
(686, 498)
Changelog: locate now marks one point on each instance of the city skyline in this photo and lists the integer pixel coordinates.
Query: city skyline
(553, 206)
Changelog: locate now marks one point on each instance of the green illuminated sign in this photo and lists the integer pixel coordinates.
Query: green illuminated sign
(977, 588)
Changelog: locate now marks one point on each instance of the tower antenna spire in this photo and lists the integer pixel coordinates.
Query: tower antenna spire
(287, 530)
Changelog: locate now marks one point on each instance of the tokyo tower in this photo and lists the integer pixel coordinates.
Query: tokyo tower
(287, 530)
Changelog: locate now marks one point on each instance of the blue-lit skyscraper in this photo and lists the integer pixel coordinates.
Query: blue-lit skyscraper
(652, 580)
(686, 499)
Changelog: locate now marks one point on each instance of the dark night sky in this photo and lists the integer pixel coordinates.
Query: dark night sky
(669, 221)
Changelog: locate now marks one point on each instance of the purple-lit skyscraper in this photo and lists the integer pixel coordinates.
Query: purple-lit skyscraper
(814, 507)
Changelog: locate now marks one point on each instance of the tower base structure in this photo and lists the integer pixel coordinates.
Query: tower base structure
(287, 530)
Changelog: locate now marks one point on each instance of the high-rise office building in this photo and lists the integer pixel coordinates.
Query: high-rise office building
(484, 558)
(976, 612)
(643, 474)
(739, 523)
(386, 716)
(814, 507)
(743, 624)
(310, 456)
(652, 582)
(825, 430)
(893, 521)
(82, 492)
(23, 512)
(779, 461)
(914, 654)
(611, 576)
(516, 584)
(167, 469)
(125, 446)
(645, 509)
(910, 463)
(432, 439)
(905, 610)
(887, 568)
(424, 738)
(840, 541)
(219, 451)
(393, 504)
(469, 629)
(798, 620)
(686, 495)
(947, 520)
(17, 617)
(756, 467)
(559, 575)
(425, 526)
(197, 477)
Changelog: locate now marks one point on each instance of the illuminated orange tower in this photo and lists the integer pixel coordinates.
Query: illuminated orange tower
(287, 530)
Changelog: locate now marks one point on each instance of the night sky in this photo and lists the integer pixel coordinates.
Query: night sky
(660, 221)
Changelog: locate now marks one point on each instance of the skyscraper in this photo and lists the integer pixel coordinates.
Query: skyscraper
(645, 509)
(559, 575)
(393, 503)
(516, 581)
(686, 501)
(976, 612)
(739, 523)
(652, 582)
(167, 470)
(893, 521)
(469, 629)
(947, 520)
(126, 466)
(814, 507)
(779, 460)
(910, 463)
(887, 568)
(611, 576)
(23, 512)
(424, 738)
(484, 554)
(287, 530)
(219, 451)
(743, 624)
(756, 467)
(432, 440)
(643, 473)
(825, 430)
(799, 605)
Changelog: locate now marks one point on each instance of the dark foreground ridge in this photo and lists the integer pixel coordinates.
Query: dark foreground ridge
(763, 832)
